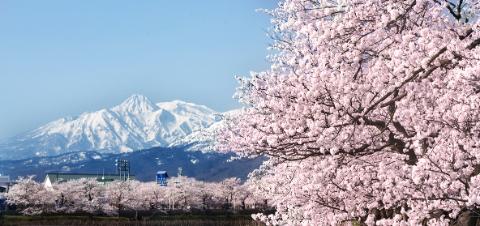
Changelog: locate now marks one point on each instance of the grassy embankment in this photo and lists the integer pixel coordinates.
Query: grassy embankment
(173, 220)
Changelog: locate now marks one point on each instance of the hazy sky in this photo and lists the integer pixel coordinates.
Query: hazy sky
(61, 58)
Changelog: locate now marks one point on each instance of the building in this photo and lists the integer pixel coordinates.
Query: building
(57, 177)
(5, 183)
(162, 178)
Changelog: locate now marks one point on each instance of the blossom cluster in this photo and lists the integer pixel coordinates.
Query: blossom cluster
(369, 112)
(89, 196)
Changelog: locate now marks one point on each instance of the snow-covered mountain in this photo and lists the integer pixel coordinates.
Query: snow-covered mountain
(135, 124)
(205, 139)
(202, 140)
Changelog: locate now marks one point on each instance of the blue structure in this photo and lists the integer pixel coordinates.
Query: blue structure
(162, 178)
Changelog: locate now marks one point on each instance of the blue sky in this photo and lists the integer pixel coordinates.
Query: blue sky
(61, 58)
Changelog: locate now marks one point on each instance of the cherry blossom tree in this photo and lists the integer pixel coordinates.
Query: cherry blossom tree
(120, 196)
(205, 191)
(30, 197)
(242, 196)
(226, 191)
(114, 198)
(369, 113)
(82, 195)
(92, 193)
(151, 196)
(187, 191)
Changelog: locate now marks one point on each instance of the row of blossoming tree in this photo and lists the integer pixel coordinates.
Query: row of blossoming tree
(89, 196)
(370, 113)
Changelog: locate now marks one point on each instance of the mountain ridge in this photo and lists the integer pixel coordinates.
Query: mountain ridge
(135, 124)
(144, 164)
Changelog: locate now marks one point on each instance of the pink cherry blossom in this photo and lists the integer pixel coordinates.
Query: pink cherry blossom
(369, 113)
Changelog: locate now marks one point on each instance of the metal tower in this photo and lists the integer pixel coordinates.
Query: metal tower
(123, 169)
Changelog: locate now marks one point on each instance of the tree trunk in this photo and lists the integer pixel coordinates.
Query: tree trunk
(466, 218)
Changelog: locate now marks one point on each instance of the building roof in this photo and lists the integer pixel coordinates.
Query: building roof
(162, 173)
(62, 177)
(4, 179)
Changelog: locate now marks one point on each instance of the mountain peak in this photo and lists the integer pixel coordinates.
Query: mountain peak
(136, 103)
(135, 124)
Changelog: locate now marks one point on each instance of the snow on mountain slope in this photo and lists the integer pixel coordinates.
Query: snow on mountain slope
(204, 139)
(135, 124)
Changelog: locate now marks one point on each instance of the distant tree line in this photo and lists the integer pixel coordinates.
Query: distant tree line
(182, 194)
